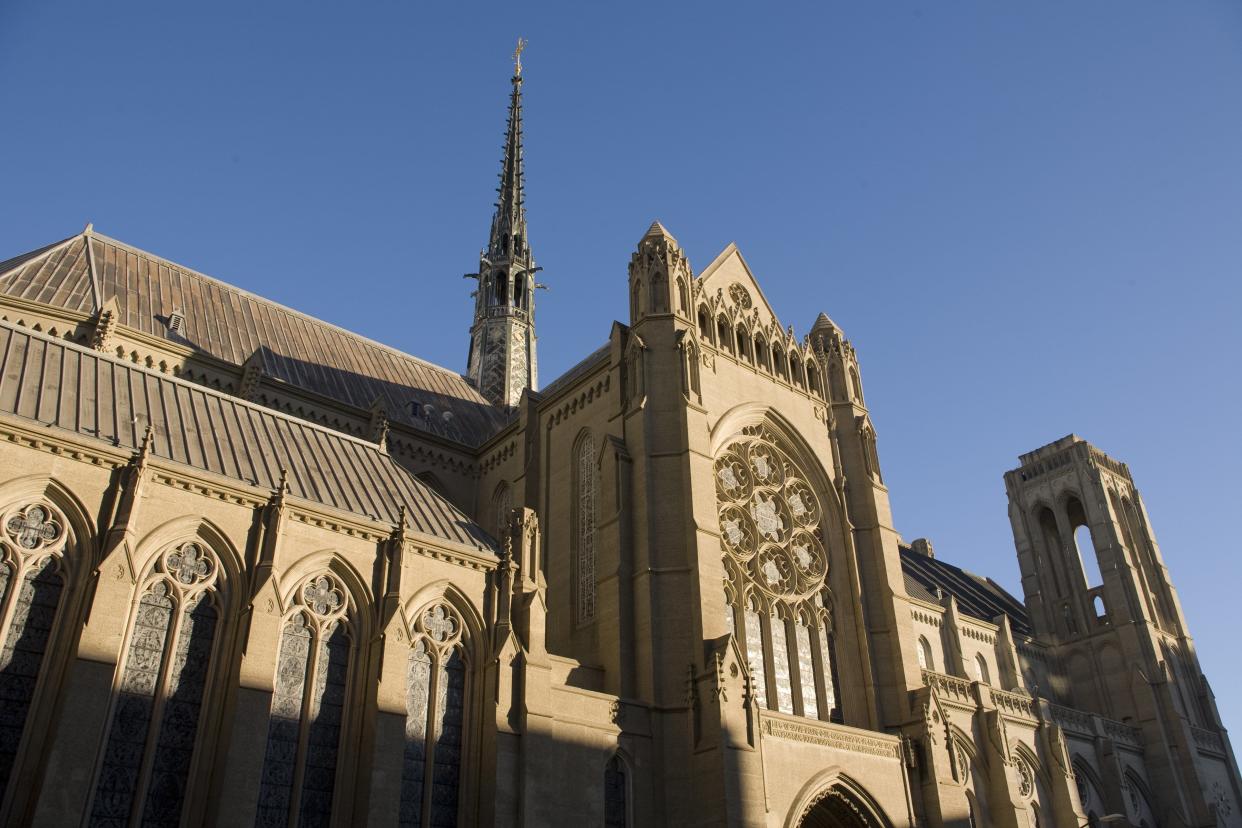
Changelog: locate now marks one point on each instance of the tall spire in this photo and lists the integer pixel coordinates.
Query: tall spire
(502, 337)
(509, 220)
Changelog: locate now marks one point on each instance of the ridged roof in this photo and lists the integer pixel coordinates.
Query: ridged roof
(66, 386)
(977, 597)
(231, 324)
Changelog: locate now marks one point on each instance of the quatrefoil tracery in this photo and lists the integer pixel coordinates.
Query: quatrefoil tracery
(323, 596)
(769, 519)
(35, 527)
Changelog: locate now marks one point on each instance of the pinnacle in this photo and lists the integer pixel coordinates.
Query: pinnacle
(657, 229)
(822, 321)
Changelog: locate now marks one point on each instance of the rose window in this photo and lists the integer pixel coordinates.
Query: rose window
(776, 566)
(769, 520)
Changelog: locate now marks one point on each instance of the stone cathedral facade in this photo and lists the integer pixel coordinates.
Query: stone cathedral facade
(259, 570)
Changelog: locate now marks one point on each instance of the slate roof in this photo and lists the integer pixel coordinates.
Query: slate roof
(977, 597)
(76, 389)
(83, 272)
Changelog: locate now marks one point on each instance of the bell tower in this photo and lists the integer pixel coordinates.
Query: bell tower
(1100, 597)
(501, 360)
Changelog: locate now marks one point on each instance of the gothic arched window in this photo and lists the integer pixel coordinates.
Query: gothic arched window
(683, 296)
(308, 702)
(743, 343)
(586, 479)
(32, 580)
(616, 794)
(925, 655)
(761, 353)
(778, 363)
(724, 336)
(435, 703)
(795, 371)
(776, 567)
(145, 766)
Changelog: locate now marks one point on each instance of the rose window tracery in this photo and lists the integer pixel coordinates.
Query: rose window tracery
(769, 519)
(33, 527)
(775, 572)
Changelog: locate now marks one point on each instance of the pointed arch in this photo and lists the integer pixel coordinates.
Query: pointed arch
(833, 797)
(47, 551)
(168, 683)
(313, 720)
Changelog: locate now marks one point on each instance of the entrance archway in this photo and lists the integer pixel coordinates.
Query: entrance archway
(839, 807)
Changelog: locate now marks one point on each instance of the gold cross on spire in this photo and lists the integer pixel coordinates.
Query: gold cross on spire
(517, 55)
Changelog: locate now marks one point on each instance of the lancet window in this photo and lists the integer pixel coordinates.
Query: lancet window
(145, 767)
(776, 568)
(308, 703)
(587, 484)
(435, 705)
(32, 580)
(616, 794)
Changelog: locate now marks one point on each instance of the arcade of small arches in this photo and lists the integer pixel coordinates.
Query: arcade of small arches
(785, 360)
(169, 688)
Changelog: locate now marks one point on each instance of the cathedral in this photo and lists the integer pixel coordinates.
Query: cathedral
(259, 570)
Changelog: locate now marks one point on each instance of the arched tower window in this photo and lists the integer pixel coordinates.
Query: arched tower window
(705, 324)
(519, 291)
(926, 661)
(32, 581)
(298, 779)
(436, 693)
(856, 384)
(683, 296)
(502, 287)
(1083, 543)
(636, 302)
(776, 566)
(146, 760)
(502, 503)
(587, 488)
(659, 295)
(982, 673)
(616, 794)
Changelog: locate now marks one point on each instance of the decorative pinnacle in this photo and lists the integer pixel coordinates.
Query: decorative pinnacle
(517, 56)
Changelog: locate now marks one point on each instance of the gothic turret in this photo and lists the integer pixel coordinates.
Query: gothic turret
(502, 337)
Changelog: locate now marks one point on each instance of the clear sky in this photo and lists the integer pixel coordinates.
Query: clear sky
(1027, 216)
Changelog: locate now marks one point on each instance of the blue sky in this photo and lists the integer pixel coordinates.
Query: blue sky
(1026, 216)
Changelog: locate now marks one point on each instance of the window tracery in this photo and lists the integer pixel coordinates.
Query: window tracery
(776, 567)
(435, 712)
(144, 771)
(308, 703)
(587, 497)
(32, 580)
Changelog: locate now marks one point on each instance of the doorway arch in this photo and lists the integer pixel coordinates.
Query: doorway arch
(835, 802)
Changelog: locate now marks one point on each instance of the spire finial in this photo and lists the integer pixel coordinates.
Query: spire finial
(517, 57)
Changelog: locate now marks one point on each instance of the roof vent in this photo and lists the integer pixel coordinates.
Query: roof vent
(176, 322)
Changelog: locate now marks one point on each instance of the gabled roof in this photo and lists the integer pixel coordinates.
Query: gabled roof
(977, 597)
(85, 271)
(65, 386)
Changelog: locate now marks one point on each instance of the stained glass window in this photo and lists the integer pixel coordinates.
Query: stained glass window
(616, 795)
(431, 773)
(308, 703)
(587, 496)
(772, 544)
(31, 584)
(806, 669)
(780, 666)
(160, 694)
